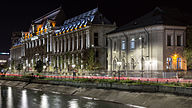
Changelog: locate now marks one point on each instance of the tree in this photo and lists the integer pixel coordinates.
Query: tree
(89, 60)
(188, 50)
(39, 66)
(19, 67)
(188, 56)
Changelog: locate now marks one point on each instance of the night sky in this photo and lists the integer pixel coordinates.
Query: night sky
(17, 15)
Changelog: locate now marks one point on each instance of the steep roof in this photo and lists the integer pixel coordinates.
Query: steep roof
(92, 16)
(157, 16)
(55, 15)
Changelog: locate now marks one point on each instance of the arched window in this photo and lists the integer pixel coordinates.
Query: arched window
(114, 64)
(123, 64)
(142, 63)
(132, 63)
(178, 63)
(169, 63)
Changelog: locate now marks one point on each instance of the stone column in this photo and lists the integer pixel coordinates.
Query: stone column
(73, 42)
(61, 40)
(109, 55)
(51, 43)
(87, 39)
(58, 45)
(65, 44)
(69, 43)
(81, 40)
(77, 41)
(47, 43)
(54, 49)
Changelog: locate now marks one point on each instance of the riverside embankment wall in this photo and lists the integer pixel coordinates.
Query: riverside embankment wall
(127, 94)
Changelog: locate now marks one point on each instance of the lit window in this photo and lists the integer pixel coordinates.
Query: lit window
(178, 63)
(123, 44)
(132, 44)
(169, 63)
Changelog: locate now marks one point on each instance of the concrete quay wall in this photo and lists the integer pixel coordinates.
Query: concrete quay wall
(130, 95)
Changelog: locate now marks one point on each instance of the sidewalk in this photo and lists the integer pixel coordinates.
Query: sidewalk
(163, 80)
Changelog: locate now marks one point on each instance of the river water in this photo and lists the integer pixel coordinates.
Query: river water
(22, 98)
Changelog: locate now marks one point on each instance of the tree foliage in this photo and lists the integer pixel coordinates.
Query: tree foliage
(188, 55)
(188, 50)
(39, 66)
(19, 66)
(89, 60)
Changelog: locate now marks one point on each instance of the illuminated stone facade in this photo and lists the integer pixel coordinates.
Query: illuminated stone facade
(148, 44)
(61, 43)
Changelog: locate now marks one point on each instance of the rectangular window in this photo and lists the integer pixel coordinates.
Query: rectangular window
(80, 41)
(178, 40)
(169, 40)
(96, 54)
(123, 45)
(71, 44)
(132, 44)
(96, 42)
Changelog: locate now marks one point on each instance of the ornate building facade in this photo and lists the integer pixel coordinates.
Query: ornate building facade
(61, 43)
(154, 42)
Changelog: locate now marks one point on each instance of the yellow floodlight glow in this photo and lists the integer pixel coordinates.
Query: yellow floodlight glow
(175, 56)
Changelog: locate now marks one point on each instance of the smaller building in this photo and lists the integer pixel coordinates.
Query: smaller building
(4, 58)
(17, 51)
(154, 42)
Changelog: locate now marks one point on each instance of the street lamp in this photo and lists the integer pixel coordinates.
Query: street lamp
(44, 68)
(119, 65)
(73, 66)
(24, 67)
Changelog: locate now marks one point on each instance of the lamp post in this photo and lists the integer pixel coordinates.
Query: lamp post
(24, 67)
(73, 66)
(119, 65)
(44, 68)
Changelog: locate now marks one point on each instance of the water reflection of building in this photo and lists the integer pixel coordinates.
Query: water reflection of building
(61, 42)
(154, 42)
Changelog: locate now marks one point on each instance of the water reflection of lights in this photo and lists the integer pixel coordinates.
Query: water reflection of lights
(9, 98)
(24, 102)
(57, 102)
(73, 103)
(44, 101)
(90, 105)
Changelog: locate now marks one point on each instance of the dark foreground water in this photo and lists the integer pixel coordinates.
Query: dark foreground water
(22, 98)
